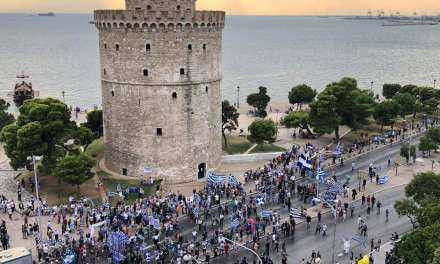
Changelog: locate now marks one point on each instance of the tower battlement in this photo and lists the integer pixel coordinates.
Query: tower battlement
(159, 20)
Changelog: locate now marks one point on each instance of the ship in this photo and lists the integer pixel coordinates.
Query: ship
(50, 14)
(23, 90)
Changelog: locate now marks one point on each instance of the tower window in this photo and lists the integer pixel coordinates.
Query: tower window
(204, 46)
(148, 47)
(124, 172)
(145, 72)
(159, 131)
(138, 8)
(182, 71)
(148, 7)
(190, 47)
(206, 89)
(178, 7)
(105, 45)
(117, 47)
(105, 72)
(174, 95)
(113, 93)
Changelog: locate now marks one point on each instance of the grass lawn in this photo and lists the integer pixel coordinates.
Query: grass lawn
(236, 145)
(267, 148)
(111, 184)
(95, 148)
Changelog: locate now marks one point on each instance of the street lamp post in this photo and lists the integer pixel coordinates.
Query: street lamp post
(64, 96)
(238, 96)
(37, 192)
(435, 82)
(371, 86)
(334, 231)
(246, 248)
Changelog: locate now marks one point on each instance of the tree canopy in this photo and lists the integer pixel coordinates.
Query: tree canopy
(341, 103)
(5, 117)
(390, 89)
(229, 119)
(95, 123)
(301, 94)
(427, 145)
(263, 130)
(406, 103)
(259, 101)
(42, 128)
(74, 169)
(298, 119)
(385, 113)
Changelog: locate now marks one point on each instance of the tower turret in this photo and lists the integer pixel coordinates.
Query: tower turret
(160, 79)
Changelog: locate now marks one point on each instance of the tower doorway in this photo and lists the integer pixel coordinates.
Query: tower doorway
(202, 171)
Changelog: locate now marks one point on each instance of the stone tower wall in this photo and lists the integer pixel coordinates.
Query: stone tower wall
(161, 70)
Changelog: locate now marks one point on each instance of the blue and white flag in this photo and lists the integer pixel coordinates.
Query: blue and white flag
(234, 223)
(338, 151)
(233, 181)
(320, 175)
(304, 163)
(295, 213)
(196, 212)
(155, 223)
(215, 179)
(362, 241)
(265, 214)
(260, 200)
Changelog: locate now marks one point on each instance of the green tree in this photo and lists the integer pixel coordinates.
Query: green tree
(74, 169)
(259, 101)
(323, 116)
(434, 134)
(5, 117)
(390, 89)
(85, 136)
(301, 94)
(341, 103)
(424, 187)
(429, 213)
(418, 247)
(95, 123)
(42, 128)
(297, 119)
(229, 119)
(263, 130)
(385, 113)
(436, 258)
(406, 103)
(410, 88)
(426, 145)
(408, 208)
(413, 152)
(404, 152)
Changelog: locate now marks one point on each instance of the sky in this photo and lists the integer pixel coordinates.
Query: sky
(242, 7)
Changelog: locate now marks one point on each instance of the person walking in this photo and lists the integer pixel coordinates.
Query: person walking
(378, 205)
(324, 230)
(387, 215)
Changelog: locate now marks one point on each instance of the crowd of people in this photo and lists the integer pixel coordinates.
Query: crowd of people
(172, 228)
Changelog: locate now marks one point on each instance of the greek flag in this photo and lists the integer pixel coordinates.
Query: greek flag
(295, 213)
(260, 200)
(383, 179)
(234, 223)
(215, 179)
(233, 181)
(362, 241)
(304, 163)
(265, 214)
(338, 150)
(155, 223)
(196, 211)
(320, 175)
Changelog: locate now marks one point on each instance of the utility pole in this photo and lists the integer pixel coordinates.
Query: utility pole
(371, 86)
(64, 96)
(435, 82)
(238, 96)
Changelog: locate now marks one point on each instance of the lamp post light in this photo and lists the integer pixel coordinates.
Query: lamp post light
(64, 96)
(238, 96)
(435, 82)
(371, 86)
(37, 191)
